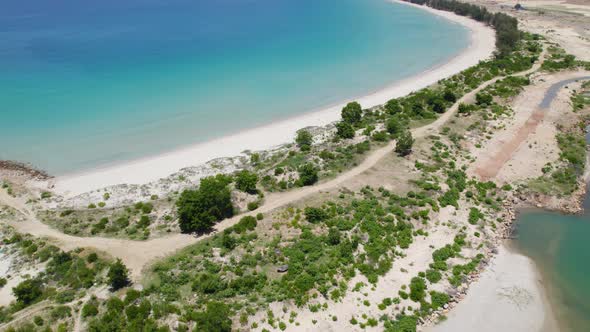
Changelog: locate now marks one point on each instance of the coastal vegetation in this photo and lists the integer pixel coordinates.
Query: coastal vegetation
(270, 271)
(507, 33)
(564, 176)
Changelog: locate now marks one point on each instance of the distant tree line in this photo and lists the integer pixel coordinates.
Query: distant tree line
(507, 34)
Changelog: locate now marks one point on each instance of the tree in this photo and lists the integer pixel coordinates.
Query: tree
(449, 96)
(396, 124)
(228, 241)
(344, 130)
(200, 209)
(118, 275)
(308, 174)
(28, 291)
(438, 105)
(352, 113)
(246, 181)
(482, 98)
(404, 143)
(304, 140)
(214, 319)
(393, 106)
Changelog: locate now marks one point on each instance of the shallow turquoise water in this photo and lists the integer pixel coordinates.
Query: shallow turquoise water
(560, 246)
(84, 85)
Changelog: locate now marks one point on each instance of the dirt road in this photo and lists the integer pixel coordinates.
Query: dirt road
(138, 254)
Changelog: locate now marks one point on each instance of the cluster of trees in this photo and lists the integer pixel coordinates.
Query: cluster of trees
(507, 34)
(352, 115)
(198, 210)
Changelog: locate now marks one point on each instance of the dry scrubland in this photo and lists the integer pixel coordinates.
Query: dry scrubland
(381, 221)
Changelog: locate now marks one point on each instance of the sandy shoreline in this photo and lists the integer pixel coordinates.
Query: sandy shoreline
(508, 296)
(152, 168)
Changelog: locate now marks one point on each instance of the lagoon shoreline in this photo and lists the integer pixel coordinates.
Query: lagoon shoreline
(152, 168)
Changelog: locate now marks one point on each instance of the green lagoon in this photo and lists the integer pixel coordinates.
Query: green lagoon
(560, 246)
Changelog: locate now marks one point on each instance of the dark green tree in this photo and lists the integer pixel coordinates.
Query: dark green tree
(200, 209)
(246, 181)
(118, 275)
(28, 291)
(396, 125)
(482, 98)
(393, 106)
(352, 113)
(214, 319)
(304, 140)
(344, 130)
(449, 96)
(403, 147)
(315, 215)
(308, 174)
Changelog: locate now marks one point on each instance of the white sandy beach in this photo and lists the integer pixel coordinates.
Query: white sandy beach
(509, 296)
(149, 169)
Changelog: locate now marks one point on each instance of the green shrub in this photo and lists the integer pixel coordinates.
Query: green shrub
(89, 310)
(417, 289)
(200, 209)
(433, 276)
(304, 140)
(308, 174)
(344, 130)
(404, 143)
(315, 215)
(252, 206)
(352, 113)
(246, 181)
(28, 291)
(118, 275)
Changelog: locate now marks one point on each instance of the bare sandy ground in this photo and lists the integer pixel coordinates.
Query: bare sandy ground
(524, 146)
(153, 168)
(508, 296)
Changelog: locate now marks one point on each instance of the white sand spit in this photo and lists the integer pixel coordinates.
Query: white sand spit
(507, 297)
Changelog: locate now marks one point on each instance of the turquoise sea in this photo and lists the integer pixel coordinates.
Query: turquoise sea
(83, 84)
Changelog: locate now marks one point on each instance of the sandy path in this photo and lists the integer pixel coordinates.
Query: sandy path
(490, 168)
(137, 254)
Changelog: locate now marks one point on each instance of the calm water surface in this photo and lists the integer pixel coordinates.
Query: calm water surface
(85, 83)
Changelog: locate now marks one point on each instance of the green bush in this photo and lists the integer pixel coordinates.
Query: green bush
(118, 275)
(89, 310)
(28, 291)
(200, 209)
(304, 140)
(308, 174)
(403, 147)
(352, 113)
(315, 215)
(246, 181)
(433, 276)
(344, 130)
(417, 289)
(252, 206)
(215, 318)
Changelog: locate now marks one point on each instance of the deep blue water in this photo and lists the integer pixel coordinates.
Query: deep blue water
(88, 83)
